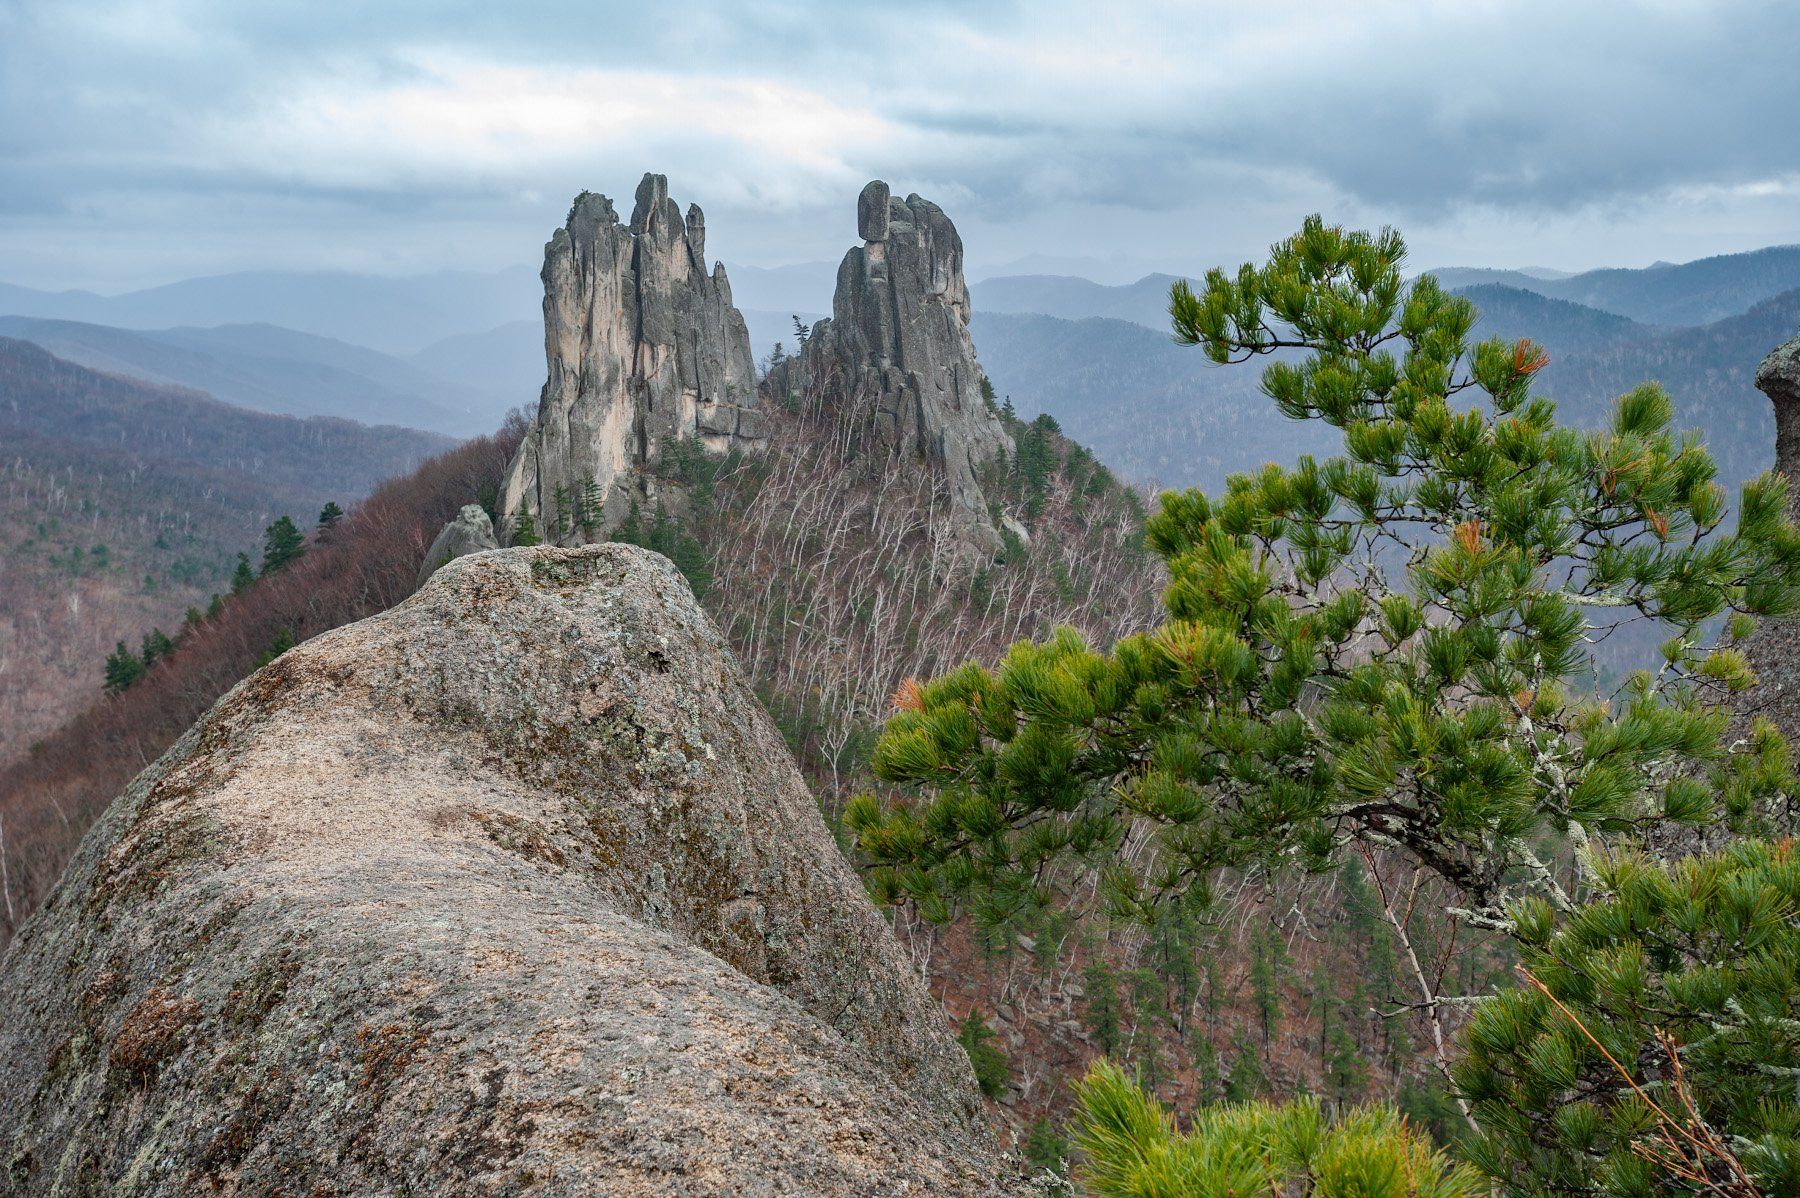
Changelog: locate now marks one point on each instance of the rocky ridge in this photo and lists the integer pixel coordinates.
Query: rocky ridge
(512, 889)
(896, 353)
(643, 345)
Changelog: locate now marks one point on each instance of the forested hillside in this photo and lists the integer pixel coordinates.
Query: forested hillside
(125, 504)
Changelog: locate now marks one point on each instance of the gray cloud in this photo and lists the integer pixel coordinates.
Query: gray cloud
(144, 139)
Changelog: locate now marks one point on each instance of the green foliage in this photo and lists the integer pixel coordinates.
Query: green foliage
(525, 528)
(1390, 646)
(282, 543)
(329, 515)
(1105, 1010)
(123, 667)
(989, 1063)
(1131, 1147)
(282, 641)
(243, 576)
(667, 537)
(155, 646)
(1045, 1148)
(1706, 952)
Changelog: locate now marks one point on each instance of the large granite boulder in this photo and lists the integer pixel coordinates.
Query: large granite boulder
(471, 532)
(896, 354)
(513, 889)
(643, 346)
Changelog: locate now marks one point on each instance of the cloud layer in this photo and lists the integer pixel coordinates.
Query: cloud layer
(148, 139)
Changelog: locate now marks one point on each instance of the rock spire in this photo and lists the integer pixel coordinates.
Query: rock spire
(897, 355)
(643, 346)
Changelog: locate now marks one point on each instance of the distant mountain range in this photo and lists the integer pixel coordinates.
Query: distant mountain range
(272, 369)
(394, 315)
(452, 352)
(123, 503)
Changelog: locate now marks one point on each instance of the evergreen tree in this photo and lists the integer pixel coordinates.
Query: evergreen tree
(1105, 1011)
(525, 528)
(1131, 1148)
(282, 543)
(1392, 646)
(243, 576)
(282, 641)
(1682, 984)
(329, 515)
(989, 1063)
(1245, 1079)
(801, 332)
(156, 646)
(217, 603)
(123, 667)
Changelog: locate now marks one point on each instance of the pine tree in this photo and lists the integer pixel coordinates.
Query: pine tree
(282, 543)
(329, 515)
(1105, 1011)
(1692, 966)
(525, 528)
(243, 576)
(123, 667)
(988, 1062)
(1316, 688)
(801, 332)
(1132, 1148)
(216, 604)
(156, 646)
(282, 641)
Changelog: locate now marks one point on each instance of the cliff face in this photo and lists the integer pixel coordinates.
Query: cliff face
(1774, 648)
(897, 356)
(513, 889)
(642, 344)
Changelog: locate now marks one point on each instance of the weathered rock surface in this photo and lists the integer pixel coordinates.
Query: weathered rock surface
(1774, 648)
(470, 532)
(643, 344)
(513, 889)
(1778, 377)
(897, 349)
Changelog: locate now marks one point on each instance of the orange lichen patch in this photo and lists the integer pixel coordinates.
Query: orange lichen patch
(152, 1033)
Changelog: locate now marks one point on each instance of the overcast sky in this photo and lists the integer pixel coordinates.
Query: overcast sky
(142, 142)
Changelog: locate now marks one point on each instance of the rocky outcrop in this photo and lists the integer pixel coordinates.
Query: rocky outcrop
(471, 532)
(512, 889)
(1778, 377)
(897, 355)
(1774, 648)
(643, 345)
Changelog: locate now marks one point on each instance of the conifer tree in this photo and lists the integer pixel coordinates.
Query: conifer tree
(1394, 646)
(282, 543)
(329, 515)
(525, 528)
(243, 576)
(123, 667)
(1131, 1148)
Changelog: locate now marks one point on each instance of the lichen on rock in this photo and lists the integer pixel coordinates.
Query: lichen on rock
(513, 889)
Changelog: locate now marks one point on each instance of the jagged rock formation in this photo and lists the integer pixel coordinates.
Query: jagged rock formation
(512, 889)
(1778, 377)
(643, 344)
(1774, 648)
(470, 532)
(897, 351)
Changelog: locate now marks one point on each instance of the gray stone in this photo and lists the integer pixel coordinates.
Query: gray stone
(512, 889)
(896, 356)
(872, 212)
(638, 338)
(1778, 377)
(470, 532)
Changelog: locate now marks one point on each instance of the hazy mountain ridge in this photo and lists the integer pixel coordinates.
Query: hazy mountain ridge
(121, 504)
(396, 315)
(269, 368)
